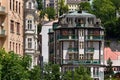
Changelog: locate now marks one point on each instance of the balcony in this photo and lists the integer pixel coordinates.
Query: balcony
(2, 33)
(72, 50)
(95, 37)
(55, 25)
(51, 40)
(51, 30)
(80, 61)
(2, 10)
(67, 37)
(90, 50)
(80, 25)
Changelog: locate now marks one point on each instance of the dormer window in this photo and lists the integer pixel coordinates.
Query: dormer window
(30, 5)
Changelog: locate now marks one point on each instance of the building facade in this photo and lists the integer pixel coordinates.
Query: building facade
(73, 4)
(77, 38)
(11, 25)
(30, 31)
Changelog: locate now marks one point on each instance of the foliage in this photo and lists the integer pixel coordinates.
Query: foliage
(40, 5)
(109, 71)
(13, 66)
(116, 4)
(80, 73)
(51, 72)
(84, 6)
(39, 28)
(112, 29)
(104, 9)
(62, 7)
(35, 73)
(50, 13)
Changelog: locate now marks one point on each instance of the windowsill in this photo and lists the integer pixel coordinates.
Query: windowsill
(11, 32)
(18, 33)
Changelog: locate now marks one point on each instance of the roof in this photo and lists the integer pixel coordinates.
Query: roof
(50, 23)
(108, 53)
(83, 13)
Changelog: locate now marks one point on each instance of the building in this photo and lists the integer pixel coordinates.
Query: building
(30, 31)
(73, 4)
(115, 58)
(45, 39)
(77, 38)
(11, 25)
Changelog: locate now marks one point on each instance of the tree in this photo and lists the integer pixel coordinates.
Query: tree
(51, 72)
(40, 4)
(84, 6)
(13, 67)
(50, 13)
(35, 73)
(80, 73)
(116, 4)
(104, 9)
(62, 7)
(109, 71)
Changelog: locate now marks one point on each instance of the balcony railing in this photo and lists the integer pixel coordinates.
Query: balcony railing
(80, 25)
(51, 40)
(94, 37)
(72, 50)
(2, 10)
(81, 61)
(2, 33)
(55, 25)
(91, 50)
(67, 37)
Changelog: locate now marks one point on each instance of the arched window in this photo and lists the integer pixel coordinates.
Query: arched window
(30, 5)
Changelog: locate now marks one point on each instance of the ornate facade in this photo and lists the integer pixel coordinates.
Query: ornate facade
(30, 31)
(78, 38)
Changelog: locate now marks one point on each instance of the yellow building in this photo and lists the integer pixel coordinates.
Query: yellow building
(11, 25)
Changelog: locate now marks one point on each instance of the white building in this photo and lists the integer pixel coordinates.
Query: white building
(44, 34)
(30, 30)
(78, 38)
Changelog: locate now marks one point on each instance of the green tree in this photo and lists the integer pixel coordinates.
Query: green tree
(50, 13)
(109, 71)
(51, 71)
(116, 4)
(103, 9)
(63, 8)
(14, 66)
(84, 6)
(80, 73)
(40, 4)
(35, 73)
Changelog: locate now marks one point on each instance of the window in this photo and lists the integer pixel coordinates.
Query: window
(13, 4)
(81, 45)
(30, 5)
(18, 28)
(10, 46)
(16, 6)
(81, 56)
(16, 47)
(29, 42)
(89, 56)
(10, 5)
(81, 32)
(95, 71)
(13, 46)
(12, 26)
(29, 24)
(19, 48)
(19, 7)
